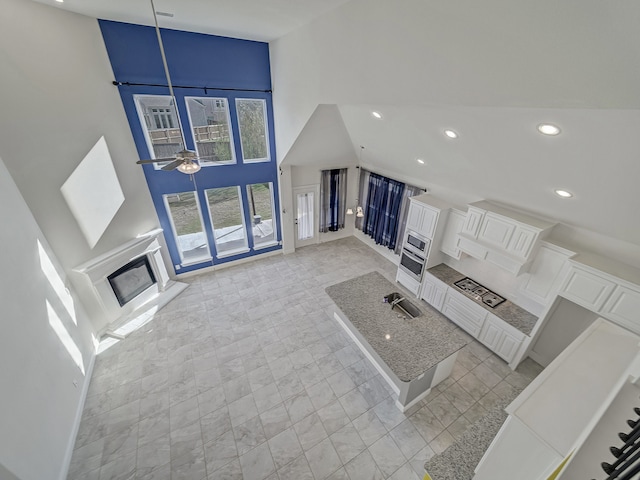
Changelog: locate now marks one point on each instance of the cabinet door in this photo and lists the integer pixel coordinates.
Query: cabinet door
(508, 346)
(496, 230)
(414, 217)
(450, 238)
(490, 335)
(623, 307)
(587, 289)
(464, 312)
(433, 291)
(522, 241)
(429, 220)
(472, 222)
(545, 274)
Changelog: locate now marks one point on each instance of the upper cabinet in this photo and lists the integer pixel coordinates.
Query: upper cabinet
(605, 287)
(428, 216)
(453, 227)
(504, 237)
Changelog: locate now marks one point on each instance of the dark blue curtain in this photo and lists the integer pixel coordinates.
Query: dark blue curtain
(334, 225)
(382, 212)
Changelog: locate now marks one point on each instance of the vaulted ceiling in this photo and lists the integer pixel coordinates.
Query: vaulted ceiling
(491, 70)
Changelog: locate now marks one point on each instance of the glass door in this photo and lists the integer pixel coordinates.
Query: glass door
(306, 222)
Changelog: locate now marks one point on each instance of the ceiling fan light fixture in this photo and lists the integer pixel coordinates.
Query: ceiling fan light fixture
(189, 167)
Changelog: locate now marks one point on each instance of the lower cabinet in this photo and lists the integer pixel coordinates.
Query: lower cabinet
(408, 282)
(500, 337)
(464, 312)
(433, 291)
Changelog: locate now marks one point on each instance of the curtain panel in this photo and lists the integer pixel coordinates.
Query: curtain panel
(409, 191)
(333, 199)
(384, 199)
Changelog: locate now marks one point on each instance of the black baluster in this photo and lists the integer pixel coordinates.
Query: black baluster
(631, 473)
(611, 467)
(621, 468)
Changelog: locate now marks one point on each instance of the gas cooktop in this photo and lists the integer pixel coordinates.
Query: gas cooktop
(481, 293)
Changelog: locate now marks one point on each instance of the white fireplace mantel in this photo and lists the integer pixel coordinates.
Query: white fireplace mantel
(96, 271)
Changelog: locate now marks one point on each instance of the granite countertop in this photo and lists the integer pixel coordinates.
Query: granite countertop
(508, 311)
(414, 345)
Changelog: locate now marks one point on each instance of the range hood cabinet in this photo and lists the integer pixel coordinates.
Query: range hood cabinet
(501, 236)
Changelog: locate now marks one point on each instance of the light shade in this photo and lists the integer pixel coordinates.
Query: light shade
(359, 212)
(564, 193)
(548, 129)
(349, 211)
(189, 167)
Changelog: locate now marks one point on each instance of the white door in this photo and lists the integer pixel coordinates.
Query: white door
(306, 221)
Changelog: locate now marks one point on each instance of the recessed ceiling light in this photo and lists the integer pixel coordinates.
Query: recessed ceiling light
(387, 336)
(377, 115)
(548, 129)
(60, 1)
(420, 161)
(450, 133)
(564, 193)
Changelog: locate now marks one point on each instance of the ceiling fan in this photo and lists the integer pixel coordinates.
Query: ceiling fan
(185, 161)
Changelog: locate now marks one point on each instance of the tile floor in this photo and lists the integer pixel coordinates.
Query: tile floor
(247, 375)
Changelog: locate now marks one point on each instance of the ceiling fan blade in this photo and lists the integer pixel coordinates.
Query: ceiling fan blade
(155, 160)
(173, 165)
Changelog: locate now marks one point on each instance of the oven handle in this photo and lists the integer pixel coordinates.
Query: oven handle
(413, 256)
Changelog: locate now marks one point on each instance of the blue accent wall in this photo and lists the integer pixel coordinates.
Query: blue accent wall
(195, 60)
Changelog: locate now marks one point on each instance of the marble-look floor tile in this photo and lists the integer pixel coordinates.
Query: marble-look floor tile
(323, 459)
(363, 467)
(441, 442)
(310, 431)
(321, 394)
(426, 423)
(333, 417)
(354, 403)
(369, 427)
(221, 451)
(285, 447)
(299, 407)
(457, 428)
(347, 443)
(257, 464)
(387, 455)
(190, 466)
(419, 459)
(298, 469)
(405, 472)
(249, 435)
(444, 410)
(242, 410)
(408, 439)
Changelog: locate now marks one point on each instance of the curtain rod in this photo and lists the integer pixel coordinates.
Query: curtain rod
(424, 189)
(133, 84)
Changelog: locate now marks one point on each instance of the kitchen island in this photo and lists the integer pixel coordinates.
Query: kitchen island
(412, 354)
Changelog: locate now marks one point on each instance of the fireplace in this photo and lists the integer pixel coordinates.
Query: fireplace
(131, 280)
(129, 283)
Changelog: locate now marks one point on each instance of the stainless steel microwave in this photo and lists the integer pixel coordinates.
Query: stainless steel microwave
(417, 244)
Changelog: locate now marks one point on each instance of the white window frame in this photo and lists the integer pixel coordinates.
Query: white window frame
(145, 129)
(233, 160)
(275, 240)
(194, 261)
(236, 251)
(266, 131)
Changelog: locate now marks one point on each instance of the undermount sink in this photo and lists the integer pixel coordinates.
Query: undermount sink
(401, 304)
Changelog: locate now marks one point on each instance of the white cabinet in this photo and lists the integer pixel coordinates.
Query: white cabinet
(504, 237)
(587, 288)
(500, 337)
(472, 222)
(450, 237)
(433, 291)
(623, 307)
(496, 230)
(408, 282)
(464, 312)
(422, 219)
(546, 273)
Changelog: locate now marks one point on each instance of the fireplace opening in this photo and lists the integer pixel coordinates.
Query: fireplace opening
(132, 279)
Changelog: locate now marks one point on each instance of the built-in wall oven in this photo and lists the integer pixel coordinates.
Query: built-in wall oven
(414, 255)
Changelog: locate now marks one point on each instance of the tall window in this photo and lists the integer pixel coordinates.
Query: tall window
(261, 206)
(252, 119)
(333, 197)
(229, 230)
(159, 121)
(210, 127)
(191, 241)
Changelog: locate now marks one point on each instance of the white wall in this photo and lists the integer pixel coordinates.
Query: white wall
(494, 70)
(39, 404)
(57, 101)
